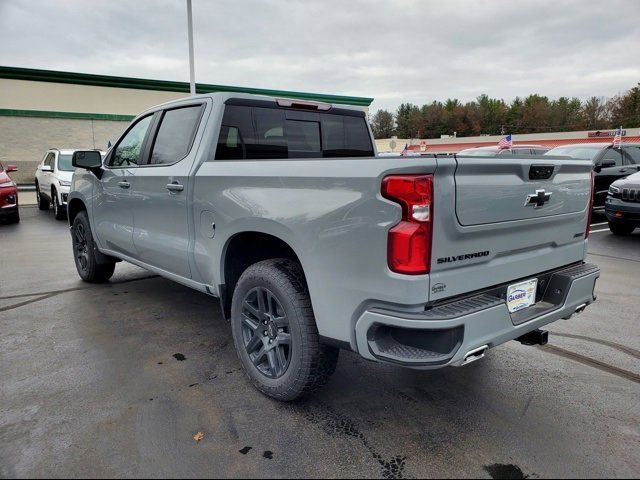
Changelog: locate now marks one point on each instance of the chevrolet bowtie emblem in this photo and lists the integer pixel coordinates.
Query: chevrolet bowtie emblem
(537, 199)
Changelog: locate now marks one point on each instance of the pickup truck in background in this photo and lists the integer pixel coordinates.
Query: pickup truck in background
(282, 210)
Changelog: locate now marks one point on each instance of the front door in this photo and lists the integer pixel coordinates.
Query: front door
(113, 213)
(608, 174)
(162, 223)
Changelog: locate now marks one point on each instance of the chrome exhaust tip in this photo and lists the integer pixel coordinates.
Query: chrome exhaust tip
(581, 308)
(475, 354)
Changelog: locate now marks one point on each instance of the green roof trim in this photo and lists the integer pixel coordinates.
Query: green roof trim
(5, 112)
(36, 75)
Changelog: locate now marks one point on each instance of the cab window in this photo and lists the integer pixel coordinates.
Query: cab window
(130, 149)
(632, 155)
(614, 154)
(175, 135)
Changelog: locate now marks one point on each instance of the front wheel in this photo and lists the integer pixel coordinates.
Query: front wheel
(84, 253)
(621, 228)
(275, 332)
(59, 212)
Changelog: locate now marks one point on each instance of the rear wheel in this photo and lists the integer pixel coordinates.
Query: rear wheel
(43, 203)
(621, 228)
(275, 332)
(59, 211)
(84, 249)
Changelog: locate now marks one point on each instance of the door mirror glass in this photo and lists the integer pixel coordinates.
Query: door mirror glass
(89, 159)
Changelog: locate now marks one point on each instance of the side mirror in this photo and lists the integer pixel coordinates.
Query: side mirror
(47, 168)
(607, 163)
(88, 159)
(11, 168)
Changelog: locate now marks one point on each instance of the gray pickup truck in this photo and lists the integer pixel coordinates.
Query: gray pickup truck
(282, 210)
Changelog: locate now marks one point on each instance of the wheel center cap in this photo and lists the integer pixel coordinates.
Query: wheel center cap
(272, 330)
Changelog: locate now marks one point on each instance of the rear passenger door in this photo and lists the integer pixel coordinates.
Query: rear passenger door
(162, 224)
(45, 177)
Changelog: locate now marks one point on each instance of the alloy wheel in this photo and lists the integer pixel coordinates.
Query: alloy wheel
(266, 333)
(81, 247)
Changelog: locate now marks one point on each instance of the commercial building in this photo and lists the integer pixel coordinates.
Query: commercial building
(42, 109)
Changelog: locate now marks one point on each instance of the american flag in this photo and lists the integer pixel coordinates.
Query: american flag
(506, 142)
(617, 140)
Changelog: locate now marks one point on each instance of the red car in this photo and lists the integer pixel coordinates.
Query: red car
(8, 195)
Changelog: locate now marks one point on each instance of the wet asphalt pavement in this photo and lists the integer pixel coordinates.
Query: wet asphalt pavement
(115, 381)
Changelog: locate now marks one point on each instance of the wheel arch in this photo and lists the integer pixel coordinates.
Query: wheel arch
(74, 207)
(242, 250)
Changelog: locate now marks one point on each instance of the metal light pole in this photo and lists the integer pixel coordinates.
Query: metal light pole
(192, 73)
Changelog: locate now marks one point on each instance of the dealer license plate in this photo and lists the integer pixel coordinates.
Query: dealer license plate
(521, 295)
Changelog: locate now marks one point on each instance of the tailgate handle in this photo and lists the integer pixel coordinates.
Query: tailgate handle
(540, 172)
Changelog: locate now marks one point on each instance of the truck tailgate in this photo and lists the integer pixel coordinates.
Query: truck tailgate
(500, 219)
(490, 190)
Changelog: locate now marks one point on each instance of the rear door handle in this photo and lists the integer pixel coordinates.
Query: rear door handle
(124, 184)
(175, 187)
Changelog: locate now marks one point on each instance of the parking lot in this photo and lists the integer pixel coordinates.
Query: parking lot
(115, 380)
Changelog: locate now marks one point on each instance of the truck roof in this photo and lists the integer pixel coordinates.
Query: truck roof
(224, 96)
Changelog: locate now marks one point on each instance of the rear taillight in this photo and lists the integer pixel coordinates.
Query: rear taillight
(589, 215)
(409, 243)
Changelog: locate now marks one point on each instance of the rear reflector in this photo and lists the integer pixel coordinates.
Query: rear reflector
(409, 242)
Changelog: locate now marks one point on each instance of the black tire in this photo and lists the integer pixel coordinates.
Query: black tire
(43, 203)
(306, 364)
(84, 252)
(59, 212)
(621, 228)
(15, 218)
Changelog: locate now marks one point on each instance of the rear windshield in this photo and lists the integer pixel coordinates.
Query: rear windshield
(583, 153)
(64, 163)
(250, 132)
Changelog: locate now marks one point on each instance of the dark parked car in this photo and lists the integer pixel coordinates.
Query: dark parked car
(8, 195)
(609, 163)
(495, 150)
(623, 205)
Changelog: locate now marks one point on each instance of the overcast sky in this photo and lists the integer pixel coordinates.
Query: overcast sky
(395, 51)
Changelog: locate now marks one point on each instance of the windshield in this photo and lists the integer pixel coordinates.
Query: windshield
(581, 152)
(479, 152)
(64, 163)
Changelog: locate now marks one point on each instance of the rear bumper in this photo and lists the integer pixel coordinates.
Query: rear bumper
(445, 334)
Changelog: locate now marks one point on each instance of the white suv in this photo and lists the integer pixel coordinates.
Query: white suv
(53, 180)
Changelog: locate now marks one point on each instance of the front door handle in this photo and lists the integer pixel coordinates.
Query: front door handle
(124, 184)
(175, 187)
